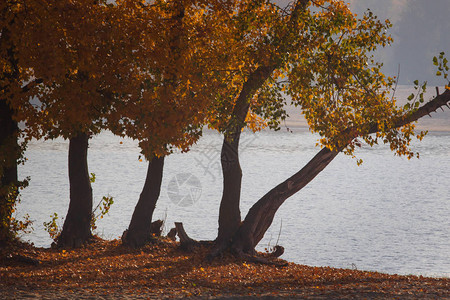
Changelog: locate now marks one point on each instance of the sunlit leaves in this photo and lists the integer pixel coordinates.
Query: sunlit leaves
(441, 62)
(416, 99)
(158, 72)
(341, 90)
(182, 66)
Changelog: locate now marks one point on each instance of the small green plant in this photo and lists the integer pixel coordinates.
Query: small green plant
(92, 178)
(104, 205)
(11, 226)
(52, 227)
(102, 208)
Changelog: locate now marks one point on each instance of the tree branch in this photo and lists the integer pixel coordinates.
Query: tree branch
(261, 214)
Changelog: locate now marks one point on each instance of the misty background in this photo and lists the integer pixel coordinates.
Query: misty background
(421, 30)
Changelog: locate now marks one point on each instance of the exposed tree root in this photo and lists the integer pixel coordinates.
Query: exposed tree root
(137, 239)
(172, 234)
(23, 259)
(218, 249)
(277, 251)
(186, 243)
(263, 260)
(156, 227)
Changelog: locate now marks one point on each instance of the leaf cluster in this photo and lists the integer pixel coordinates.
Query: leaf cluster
(441, 62)
(159, 71)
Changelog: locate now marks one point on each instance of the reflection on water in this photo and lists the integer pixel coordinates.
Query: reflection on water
(389, 215)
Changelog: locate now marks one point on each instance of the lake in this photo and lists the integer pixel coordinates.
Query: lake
(390, 214)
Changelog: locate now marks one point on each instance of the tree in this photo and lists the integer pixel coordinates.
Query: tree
(257, 93)
(13, 89)
(69, 47)
(325, 55)
(180, 59)
(260, 216)
(269, 57)
(139, 230)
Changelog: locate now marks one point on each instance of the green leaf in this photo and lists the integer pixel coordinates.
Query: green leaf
(438, 73)
(92, 178)
(435, 61)
(416, 82)
(410, 97)
(407, 106)
(424, 87)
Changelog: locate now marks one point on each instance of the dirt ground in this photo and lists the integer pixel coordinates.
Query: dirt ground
(107, 270)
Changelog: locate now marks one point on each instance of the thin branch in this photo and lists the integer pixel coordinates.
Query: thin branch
(396, 83)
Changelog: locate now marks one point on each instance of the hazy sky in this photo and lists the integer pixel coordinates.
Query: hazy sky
(421, 30)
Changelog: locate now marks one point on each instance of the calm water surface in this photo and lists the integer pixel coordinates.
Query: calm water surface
(389, 215)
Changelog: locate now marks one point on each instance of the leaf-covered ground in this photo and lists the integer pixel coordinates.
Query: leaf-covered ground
(107, 270)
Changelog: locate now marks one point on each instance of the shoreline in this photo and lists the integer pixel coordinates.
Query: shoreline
(107, 270)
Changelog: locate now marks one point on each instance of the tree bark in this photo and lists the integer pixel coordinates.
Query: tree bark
(229, 212)
(139, 232)
(9, 153)
(261, 214)
(9, 147)
(186, 243)
(77, 226)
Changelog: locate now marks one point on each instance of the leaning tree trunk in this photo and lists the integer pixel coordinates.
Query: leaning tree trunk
(139, 232)
(77, 226)
(261, 214)
(9, 153)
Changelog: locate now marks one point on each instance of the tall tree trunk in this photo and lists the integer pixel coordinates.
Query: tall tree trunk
(77, 226)
(139, 231)
(9, 154)
(229, 212)
(9, 147)
(261, 214)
